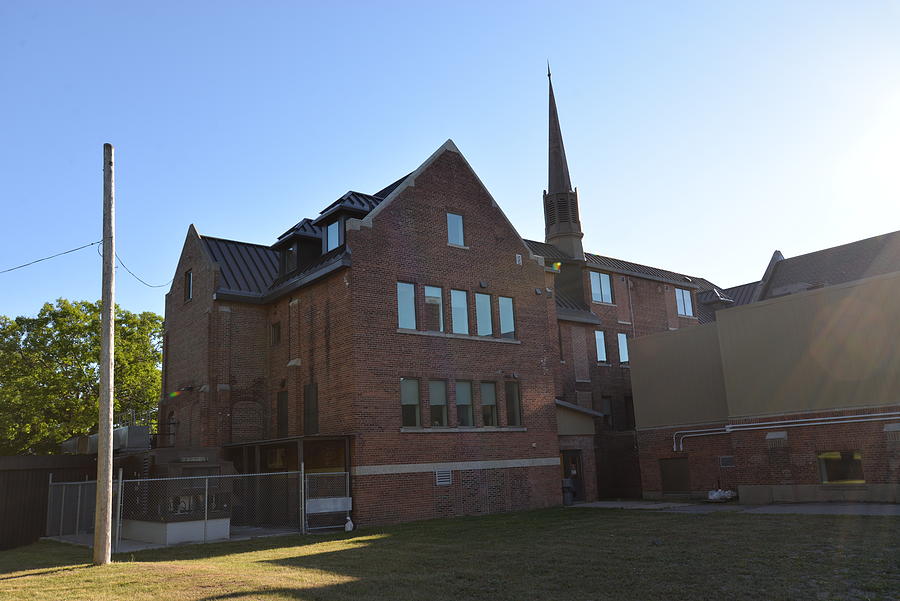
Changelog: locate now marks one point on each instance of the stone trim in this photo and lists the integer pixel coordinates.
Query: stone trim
(414, 468)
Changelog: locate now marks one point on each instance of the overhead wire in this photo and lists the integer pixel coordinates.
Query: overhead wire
(65, 252)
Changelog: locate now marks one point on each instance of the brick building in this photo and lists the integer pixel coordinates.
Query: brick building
(412, 337)
(792, 394)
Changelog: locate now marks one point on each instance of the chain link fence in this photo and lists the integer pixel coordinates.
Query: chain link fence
(167, 511)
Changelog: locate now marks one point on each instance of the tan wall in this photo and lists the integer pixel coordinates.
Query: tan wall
(828, 348)
(573, 423)
(676, 378)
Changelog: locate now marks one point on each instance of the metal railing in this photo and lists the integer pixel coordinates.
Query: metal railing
(203, 508)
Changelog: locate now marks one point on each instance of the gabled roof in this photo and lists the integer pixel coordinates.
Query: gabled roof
(733, 297)
(837, 265)
(245, 267)
(549, 251)
(305, 228)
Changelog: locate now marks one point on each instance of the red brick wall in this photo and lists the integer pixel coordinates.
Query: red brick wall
(757, 464)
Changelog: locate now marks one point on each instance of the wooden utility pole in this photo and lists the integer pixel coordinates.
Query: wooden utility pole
(103, 516)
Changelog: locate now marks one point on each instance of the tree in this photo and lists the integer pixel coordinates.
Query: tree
(49, 373)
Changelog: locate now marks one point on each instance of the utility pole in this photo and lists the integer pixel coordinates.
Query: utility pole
(103, 516)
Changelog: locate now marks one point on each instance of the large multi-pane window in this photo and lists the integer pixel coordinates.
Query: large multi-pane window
(455, 229)
(459, 311)
(601, 288)
(623, 348)
(600, 341)
(489, 403)
(464, 415)
(513, 404)
(437, 399)
(409, 401)
(332, 235)
(507, 318)
(434, 309)
(406, 306)
(683, 300)
(483, 322)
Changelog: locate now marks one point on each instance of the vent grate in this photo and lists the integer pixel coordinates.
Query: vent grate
(443, 477)
(726, 461)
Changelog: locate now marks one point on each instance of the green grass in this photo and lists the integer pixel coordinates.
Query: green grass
(581, 554)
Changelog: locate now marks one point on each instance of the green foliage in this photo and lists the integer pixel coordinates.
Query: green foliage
(49, 373)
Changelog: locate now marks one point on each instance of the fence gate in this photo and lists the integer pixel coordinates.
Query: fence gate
(327, 500)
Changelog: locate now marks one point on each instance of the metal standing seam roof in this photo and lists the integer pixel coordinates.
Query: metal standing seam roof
(734, 296)
(245, 267)
(836, 265)
(304, 228)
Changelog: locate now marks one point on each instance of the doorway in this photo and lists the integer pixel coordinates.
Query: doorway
(572, 468)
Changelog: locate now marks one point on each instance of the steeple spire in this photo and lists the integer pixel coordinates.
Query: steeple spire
(561, 221)
(558, 173)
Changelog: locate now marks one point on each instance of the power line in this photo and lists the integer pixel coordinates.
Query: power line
(50, 257)
(122, 263)
(139, 279)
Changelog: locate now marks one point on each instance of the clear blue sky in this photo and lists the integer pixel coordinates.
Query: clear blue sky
(701, 136)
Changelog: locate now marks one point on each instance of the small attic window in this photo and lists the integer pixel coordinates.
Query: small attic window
(455, 230)
(332, 235)
(289, 258)
(188, 285)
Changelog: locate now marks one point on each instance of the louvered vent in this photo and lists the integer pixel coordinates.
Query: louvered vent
(573, 209)
(726, 461)
(776, 440)
(549, 212)
(892, 432)
(443, 477)
(562, 208)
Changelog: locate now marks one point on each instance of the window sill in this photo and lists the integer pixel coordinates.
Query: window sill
(477, 429)
(687, 316)
(603, 364)
(458, 336)
(625, 365)
(462, 246)
(593, 302)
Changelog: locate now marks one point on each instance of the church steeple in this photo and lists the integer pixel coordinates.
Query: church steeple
(561, 220)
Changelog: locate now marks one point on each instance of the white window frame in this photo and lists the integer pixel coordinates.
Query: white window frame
(598, 294)
(684, 303)
(600, 343)
(623, 347)
(450, 230)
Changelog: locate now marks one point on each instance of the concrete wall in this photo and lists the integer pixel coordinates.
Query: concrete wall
(817, 350)
(677, 378)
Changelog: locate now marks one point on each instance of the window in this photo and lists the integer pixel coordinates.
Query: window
(434, 309)
(455, 230)
(464, 404)
(683, 300)
(333, 235)
(841, 467)
(623, 348)
(489, 403)
(507, 318)
(437, 399)
(275, 333)
(513, 405)
(601, 288)
(289, 258)
(188, 286)
(459, 311)
(483, 322)
(282, 413)
(601, 346)
(310, 409)
(409, 401)
(406, 306)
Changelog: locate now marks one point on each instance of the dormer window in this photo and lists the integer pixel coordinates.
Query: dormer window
(289, 258)
(333, 235)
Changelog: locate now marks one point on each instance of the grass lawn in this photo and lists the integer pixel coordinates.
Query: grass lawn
(578, 553)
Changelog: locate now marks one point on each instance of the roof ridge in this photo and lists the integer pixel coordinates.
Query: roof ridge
(845, 244)
(266, 246)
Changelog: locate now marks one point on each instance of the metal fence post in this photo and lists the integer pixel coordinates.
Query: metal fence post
(49, 496)
(78, 509)
(205, 505)
(62, 508)
(302, 498)
(119, 513)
